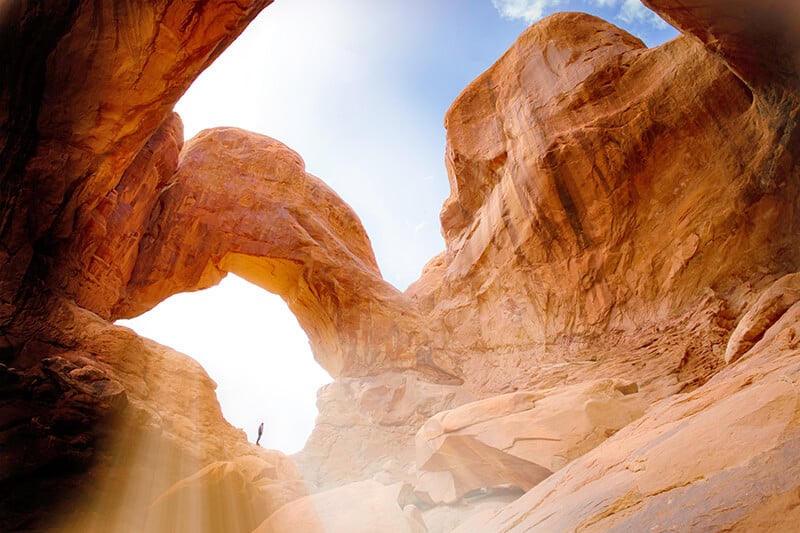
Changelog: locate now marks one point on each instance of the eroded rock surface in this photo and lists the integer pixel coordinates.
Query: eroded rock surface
(241, 202)
(366, 427)
(770, 306)
(594, 184)
(616, 213)
(95, 422)
(723, 457)
(85, 85)
(520, 438)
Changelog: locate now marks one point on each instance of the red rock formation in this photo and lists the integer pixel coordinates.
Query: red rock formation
(758, 40)
(86, 84)
(519, 438)
(615, 212)
(108, 247)
(95, 422)
(722, 458)
(241, 202)
(598, 189)
(105, 421)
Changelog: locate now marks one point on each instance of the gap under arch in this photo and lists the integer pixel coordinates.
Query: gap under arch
(251, 345)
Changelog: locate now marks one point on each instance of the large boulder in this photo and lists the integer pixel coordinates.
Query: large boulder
(518, 439)
(366, 427)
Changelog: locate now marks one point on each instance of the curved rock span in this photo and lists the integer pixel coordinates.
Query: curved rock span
(594, 184)
(608, 341)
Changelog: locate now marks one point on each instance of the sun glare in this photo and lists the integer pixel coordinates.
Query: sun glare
(249, 343)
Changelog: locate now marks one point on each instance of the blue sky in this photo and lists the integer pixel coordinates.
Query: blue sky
(359, 88)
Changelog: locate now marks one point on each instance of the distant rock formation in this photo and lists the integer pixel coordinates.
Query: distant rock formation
(622, 247)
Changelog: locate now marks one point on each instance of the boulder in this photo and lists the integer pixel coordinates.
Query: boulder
(366, 427)
(721, 458)
(518, 439)
(768, 308)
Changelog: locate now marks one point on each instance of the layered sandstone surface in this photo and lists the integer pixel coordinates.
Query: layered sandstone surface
(599, 187)
(612, 327)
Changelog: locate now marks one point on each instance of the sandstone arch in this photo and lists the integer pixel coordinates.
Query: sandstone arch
(242, 202)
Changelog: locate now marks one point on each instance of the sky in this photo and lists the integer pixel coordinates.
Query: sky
(359, 89)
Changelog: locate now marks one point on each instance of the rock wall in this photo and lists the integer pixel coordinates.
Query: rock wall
(94, 422)
(97, 423)
(594, 182)
(86, 84)
(622, 221)
(240, 202)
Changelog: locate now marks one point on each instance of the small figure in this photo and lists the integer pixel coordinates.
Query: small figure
(260, 432)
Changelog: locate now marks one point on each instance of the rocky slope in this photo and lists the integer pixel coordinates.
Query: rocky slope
(607, 343)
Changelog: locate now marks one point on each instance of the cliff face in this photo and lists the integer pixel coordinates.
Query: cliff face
(599, 187)
(622, 243)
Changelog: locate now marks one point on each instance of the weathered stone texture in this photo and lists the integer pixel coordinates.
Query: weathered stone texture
(618, 215)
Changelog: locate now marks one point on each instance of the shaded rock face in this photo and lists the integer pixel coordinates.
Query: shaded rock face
(92, 436)
(86, 84)
(617, 213)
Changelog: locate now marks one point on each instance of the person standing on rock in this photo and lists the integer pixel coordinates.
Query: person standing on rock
(260, 432)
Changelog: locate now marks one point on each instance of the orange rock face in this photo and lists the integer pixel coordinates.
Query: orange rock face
(594, 182)
(96, 422)
(519, 438)
(757, 40)
(617, 213)
(85, 86)
(723, 457)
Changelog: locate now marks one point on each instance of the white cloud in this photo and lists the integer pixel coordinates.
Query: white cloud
(527, 10)
(634, 11)
(627, 11)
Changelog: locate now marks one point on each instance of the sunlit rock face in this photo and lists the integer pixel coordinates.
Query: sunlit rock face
(723, 456)
(518, 438)
(601, 187)
(616, 211)
(242, 202)
(95, 423)
(621, 265)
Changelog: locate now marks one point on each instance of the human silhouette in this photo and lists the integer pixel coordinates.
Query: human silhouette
(260, 432)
